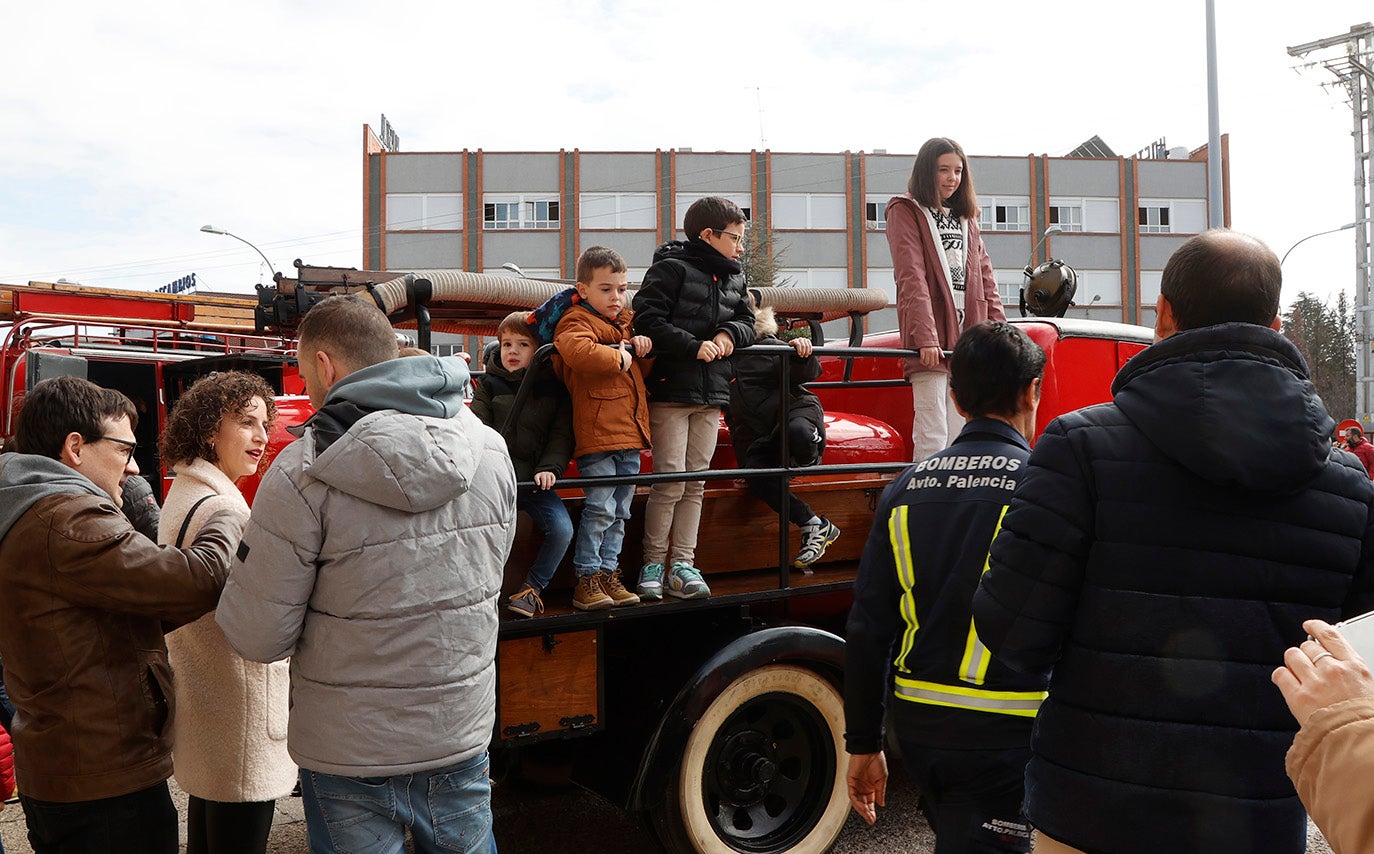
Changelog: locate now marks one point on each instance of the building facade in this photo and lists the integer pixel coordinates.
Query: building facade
(1122, 217)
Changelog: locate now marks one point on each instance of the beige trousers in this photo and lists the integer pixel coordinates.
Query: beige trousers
(935, 422)
(684, 437)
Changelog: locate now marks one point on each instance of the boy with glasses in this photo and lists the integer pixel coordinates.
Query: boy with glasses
(692, 305)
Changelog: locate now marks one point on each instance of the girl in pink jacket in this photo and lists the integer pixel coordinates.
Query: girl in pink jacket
(944, 279)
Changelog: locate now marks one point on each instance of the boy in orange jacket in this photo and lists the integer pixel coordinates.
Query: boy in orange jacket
(610, 418)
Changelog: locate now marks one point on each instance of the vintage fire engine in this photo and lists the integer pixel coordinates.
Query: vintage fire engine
(719, 721)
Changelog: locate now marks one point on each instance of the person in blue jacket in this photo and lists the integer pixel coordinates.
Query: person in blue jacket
(963, 720)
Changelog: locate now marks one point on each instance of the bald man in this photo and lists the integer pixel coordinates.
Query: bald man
(1159, 554)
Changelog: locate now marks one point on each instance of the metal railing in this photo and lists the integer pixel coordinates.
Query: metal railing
(783, 473)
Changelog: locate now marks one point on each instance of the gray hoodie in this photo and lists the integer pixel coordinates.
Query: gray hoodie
(374, 558)
(27, 478)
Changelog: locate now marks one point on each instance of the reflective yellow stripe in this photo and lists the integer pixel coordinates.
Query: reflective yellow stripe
(973, 667)
(1021, 703)
(900, 537)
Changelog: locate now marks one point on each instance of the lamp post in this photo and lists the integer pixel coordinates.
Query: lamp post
(1346, 227)
(210, 229)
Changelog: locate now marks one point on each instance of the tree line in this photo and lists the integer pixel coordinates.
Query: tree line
(1326, 335)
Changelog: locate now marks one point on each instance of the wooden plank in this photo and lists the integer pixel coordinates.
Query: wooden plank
(547, 684)
(739, 533)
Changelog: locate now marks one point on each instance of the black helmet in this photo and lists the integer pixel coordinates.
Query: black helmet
(1048, 290)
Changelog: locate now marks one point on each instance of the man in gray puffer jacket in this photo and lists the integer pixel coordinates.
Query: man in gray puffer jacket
(373, 559)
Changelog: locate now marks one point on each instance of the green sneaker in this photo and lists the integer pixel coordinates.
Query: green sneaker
(685, 582)
(650, 585)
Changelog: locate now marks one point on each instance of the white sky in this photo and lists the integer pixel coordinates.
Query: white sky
(130, 125)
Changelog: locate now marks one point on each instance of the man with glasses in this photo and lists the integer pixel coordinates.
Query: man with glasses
(85, 602)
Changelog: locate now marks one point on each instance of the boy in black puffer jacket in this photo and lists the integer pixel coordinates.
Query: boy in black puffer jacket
(755, 397)
(692, 306)
(540, 441)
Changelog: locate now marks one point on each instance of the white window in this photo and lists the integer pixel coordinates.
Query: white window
(808, 211)
(1005, 214)
(814, 277)
(684, 201)
(616, 210)
(1090, 215)
(519, 211)
(1098, 288)
(1102, 216)
(1172, 216)
(424, 211)
(1009, 287)
(1069, 217)
(1149, 287)
(875, 213)
(1154, 218)
(885, 280)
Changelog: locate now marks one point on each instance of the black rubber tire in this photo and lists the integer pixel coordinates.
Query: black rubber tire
(763, 770)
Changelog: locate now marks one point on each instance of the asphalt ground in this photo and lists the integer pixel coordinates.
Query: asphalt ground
(566, 820)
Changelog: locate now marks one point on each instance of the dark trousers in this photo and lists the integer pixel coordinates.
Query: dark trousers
(801, 447)
(972, 798)
(142, 822)
(216, 827)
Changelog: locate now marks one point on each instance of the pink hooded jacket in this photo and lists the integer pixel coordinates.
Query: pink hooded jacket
(925, 303)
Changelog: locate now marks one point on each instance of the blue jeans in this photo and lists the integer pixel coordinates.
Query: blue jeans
(448, 809)
(553, 521)
(601, 532)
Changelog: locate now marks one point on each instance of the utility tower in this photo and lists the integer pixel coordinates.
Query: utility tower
(1350, 57)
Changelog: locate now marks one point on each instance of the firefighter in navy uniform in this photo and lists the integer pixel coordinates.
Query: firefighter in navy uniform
(963, 720)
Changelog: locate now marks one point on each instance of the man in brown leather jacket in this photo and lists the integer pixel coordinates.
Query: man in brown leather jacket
(85, 602)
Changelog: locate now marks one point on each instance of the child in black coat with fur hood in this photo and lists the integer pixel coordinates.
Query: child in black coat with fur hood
(753, 418)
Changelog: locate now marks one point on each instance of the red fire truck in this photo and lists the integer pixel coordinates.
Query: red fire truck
(719, 721)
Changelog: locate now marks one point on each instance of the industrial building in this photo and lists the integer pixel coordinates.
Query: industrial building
(1122, 216)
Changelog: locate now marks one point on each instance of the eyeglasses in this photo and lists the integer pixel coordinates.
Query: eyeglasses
(738, 238)
(132, 446)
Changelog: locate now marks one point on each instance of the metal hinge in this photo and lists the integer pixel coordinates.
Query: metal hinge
(577, 722)
(521, 730)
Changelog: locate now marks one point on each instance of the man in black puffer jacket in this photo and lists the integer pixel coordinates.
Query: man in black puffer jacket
(1159, 555)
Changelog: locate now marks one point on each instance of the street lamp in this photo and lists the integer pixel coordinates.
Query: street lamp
(1347, 226)
(210, 229)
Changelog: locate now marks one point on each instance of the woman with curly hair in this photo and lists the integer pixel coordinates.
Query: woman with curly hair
(229, 731)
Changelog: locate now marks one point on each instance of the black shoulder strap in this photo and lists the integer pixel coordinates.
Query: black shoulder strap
(186, 523)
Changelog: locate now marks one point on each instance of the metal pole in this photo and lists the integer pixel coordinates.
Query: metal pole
(1216, 211)
(1362, 107)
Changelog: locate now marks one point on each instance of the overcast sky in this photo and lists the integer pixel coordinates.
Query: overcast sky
(130, 125)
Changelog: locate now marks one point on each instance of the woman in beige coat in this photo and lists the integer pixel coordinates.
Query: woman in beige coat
(229, 732)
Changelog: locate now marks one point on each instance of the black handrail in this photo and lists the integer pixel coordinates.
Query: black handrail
(784, 473)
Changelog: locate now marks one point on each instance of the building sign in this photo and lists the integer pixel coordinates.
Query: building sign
(180, 286)
(390, 141)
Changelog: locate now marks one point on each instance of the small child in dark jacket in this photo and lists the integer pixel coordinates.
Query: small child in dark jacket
(753, 415)
(693, 307)
(540, 440)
